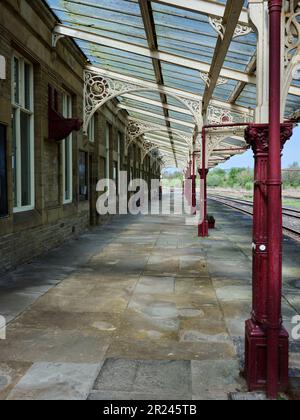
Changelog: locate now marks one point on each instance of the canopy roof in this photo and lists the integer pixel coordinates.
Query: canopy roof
(202, 50)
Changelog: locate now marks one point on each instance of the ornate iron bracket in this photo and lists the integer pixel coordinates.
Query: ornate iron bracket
(292, 45)
(222, 116)
(206, 79)
(240, 30)
(137, 128)
(98, 89)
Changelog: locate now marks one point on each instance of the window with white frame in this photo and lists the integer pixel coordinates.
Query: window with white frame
(23, 134)
(107, 144)
(119, 160)
(67, 153)
(91, 130)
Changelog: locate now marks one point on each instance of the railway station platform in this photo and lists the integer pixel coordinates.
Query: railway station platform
(140, 308)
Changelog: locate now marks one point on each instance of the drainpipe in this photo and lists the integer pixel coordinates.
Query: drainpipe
(274, 203)
(203, 226)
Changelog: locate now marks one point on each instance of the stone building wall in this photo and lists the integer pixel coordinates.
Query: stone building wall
(26, 28)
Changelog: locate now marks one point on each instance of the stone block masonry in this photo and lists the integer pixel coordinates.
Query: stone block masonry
(22, 247)
(51, 217)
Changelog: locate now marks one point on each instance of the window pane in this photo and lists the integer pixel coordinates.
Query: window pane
(69, 107)
(115, 171)
(68, 155)
(108, 137)
(14, 158)
(83, 176)
(3, 173)
(91, 130)
(27, 87)
(25, 158)
(68, 169)
(16, 81)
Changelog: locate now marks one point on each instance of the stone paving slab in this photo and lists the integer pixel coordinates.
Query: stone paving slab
(56, 381)
(169, 349)
(123, 377)
(141, 294)
(215, 377)
(247, 396)
(25, 344)
(233, 295)
(10, 375)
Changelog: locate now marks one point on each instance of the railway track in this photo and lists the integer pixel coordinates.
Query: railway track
(291, 217)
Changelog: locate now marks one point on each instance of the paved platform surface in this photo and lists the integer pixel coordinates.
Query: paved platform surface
(140, 308)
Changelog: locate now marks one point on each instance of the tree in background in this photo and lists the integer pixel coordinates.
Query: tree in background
(172, 178)
(235, 178)
(216, 178)
(291, 177)
(241, 178)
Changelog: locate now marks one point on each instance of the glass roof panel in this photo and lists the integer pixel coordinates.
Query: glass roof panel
(224, 91)
(180, 116)
(186, 34)
(248, 96)
(117, 19)
(142, 106)
(180, 33)
(232, 142)
(240, 52)
(119, 61)
(147, 118)
(187, 130)
(293, 105)
(182, 78)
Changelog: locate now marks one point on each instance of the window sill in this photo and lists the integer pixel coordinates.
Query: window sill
(18, 210)
(27, 219)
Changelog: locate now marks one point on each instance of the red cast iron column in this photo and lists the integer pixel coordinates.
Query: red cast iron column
(274, 203)
(257, 136)
(187, 188)
(193, 176)
(203, 227)
(190, 182)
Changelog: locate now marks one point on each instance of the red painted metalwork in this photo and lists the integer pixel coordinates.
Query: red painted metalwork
(59, 127)
(203, 226)
(190, 186)
(257, 136)
(193, 178)
(187, 187)
(274, 184)
(238, 149)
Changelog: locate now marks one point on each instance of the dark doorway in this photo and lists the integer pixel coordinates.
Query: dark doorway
(3, 173)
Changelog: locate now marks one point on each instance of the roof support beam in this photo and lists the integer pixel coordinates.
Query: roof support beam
(230, 20)
(163, 137)
(149, 25)
(205, 7)
(164, 141)
(158, 55)
(152, 128)
(152, 114)
(241, 86)
(156, 103)
(178, 92)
